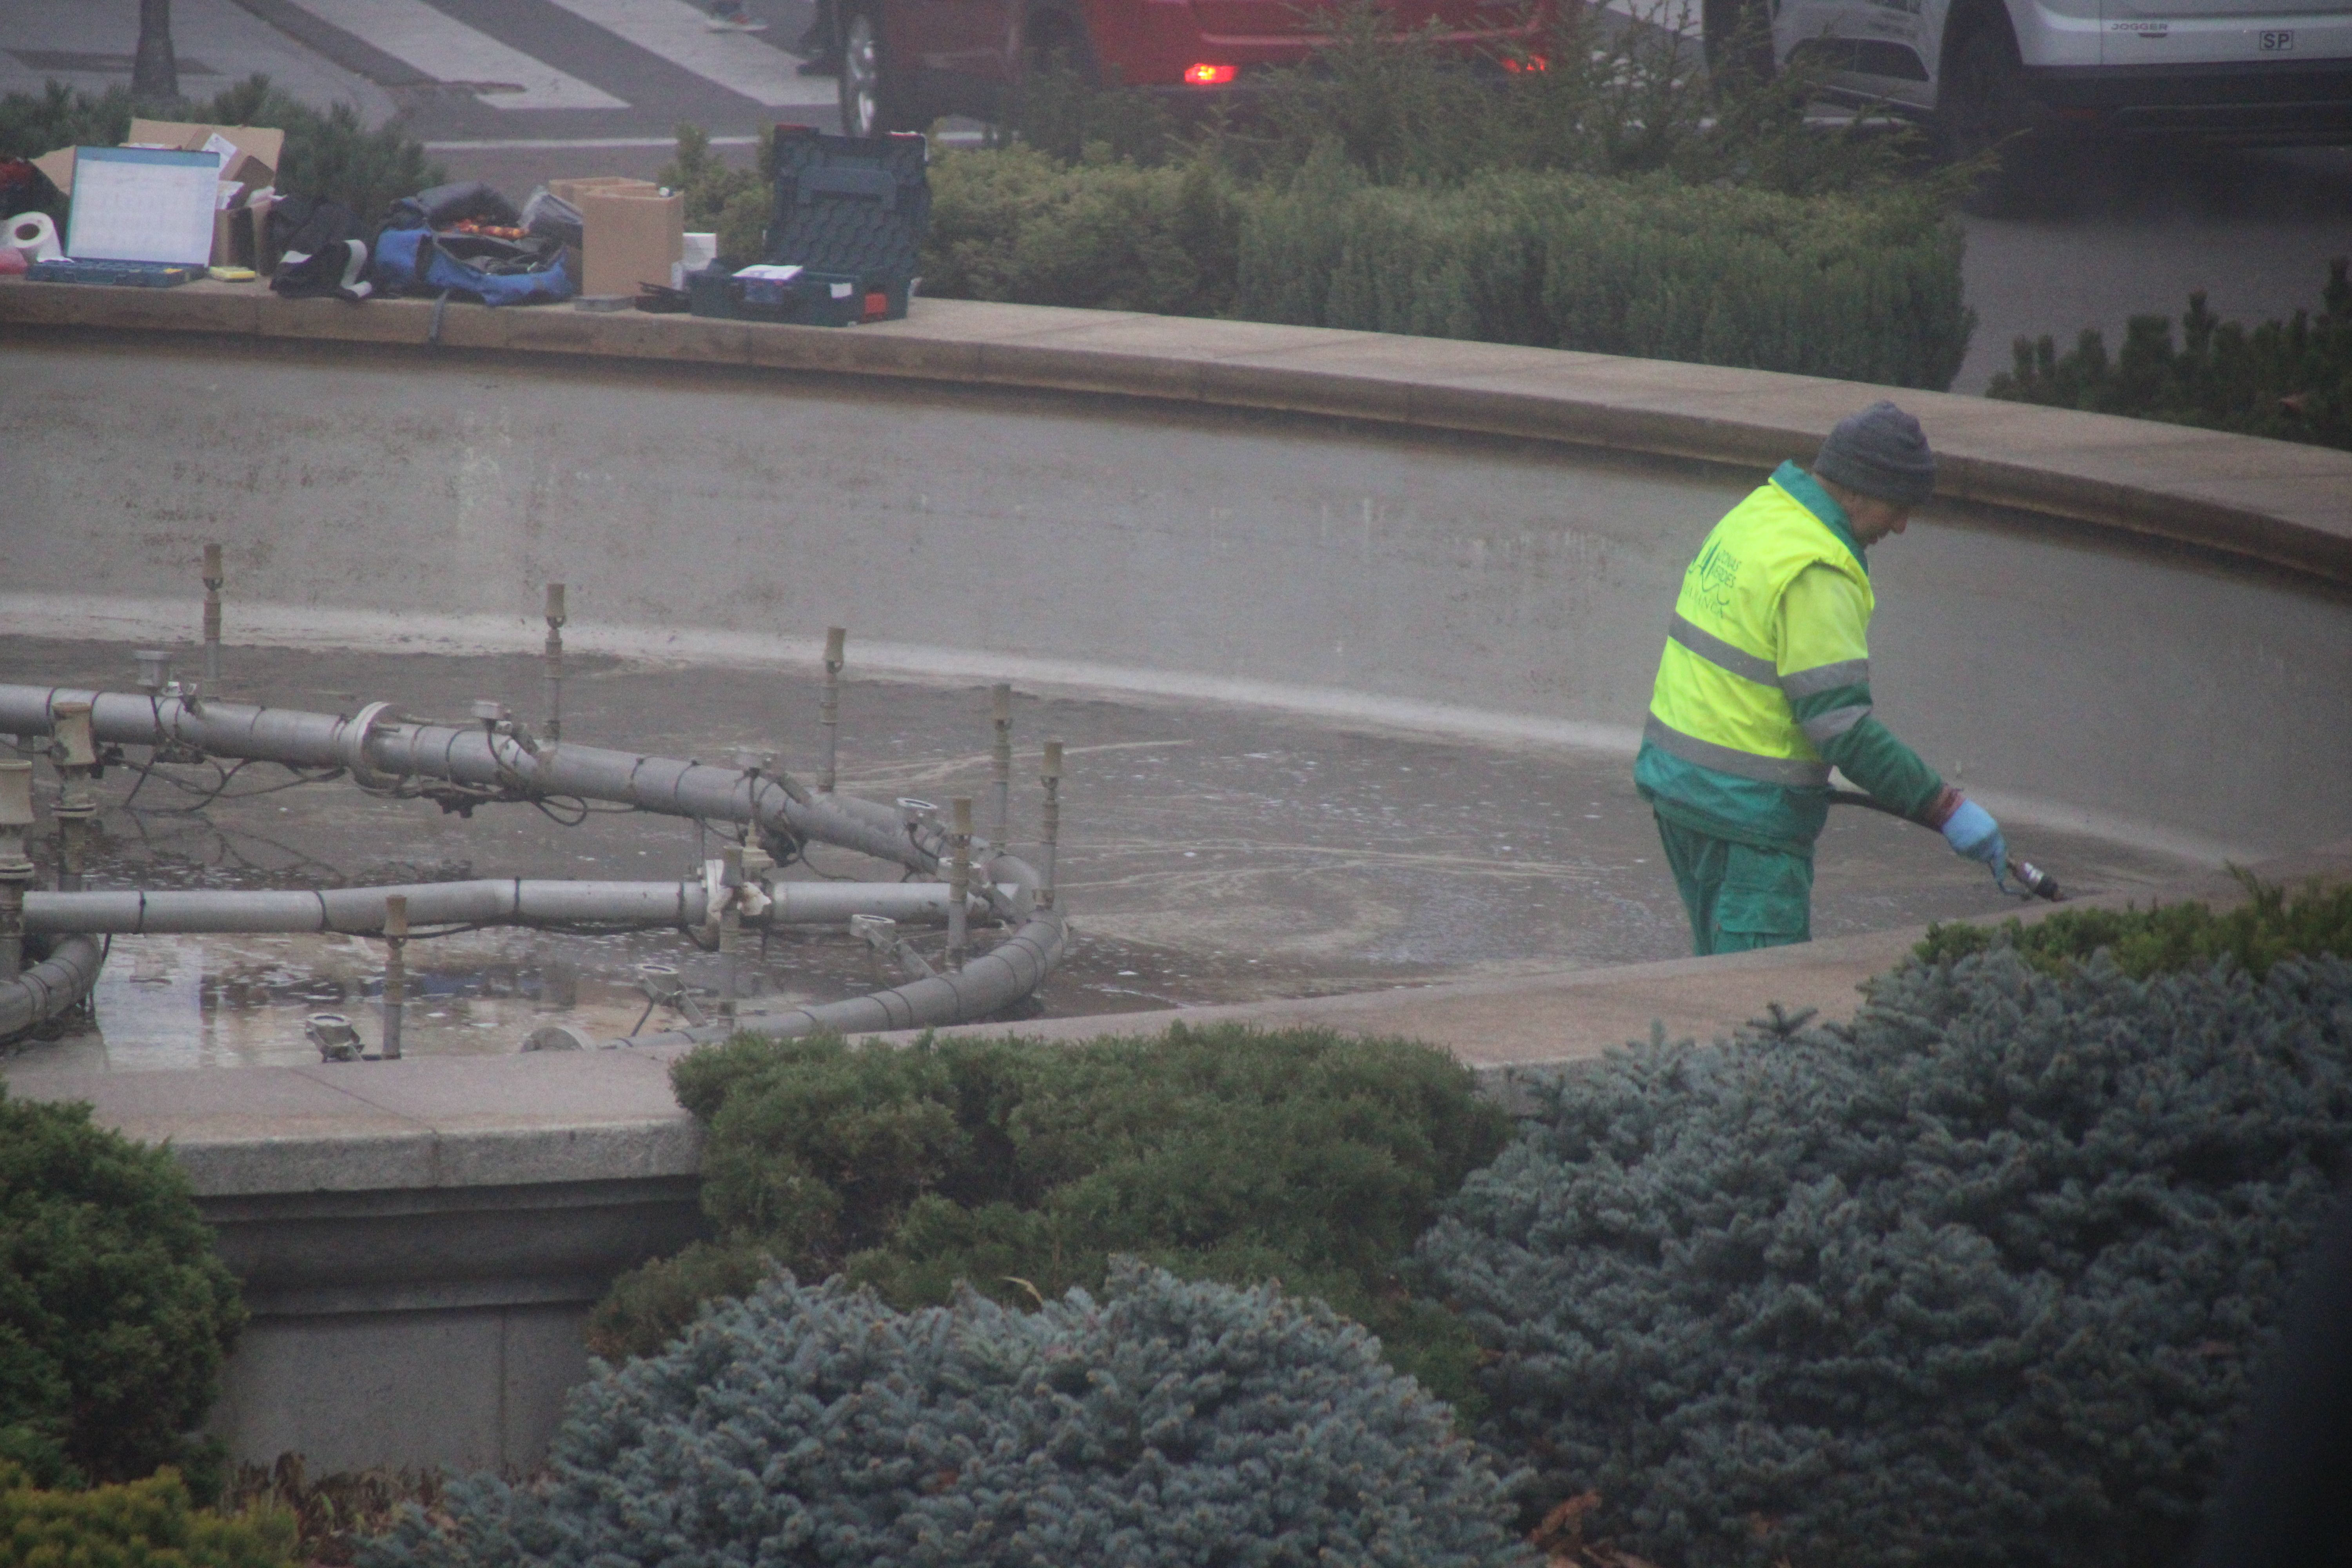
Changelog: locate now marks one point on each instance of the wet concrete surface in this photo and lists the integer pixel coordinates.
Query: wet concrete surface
(1209, 855)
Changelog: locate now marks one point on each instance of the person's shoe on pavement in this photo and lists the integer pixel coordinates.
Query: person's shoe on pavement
(729, 16)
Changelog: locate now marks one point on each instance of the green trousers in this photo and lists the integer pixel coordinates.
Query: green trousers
(1739, 897)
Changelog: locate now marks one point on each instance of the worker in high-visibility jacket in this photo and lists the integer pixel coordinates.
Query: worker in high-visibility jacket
(1765, 684)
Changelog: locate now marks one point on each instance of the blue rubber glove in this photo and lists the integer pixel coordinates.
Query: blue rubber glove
(1975, 836)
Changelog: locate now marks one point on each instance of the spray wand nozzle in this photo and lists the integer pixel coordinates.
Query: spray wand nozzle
(2034, 882)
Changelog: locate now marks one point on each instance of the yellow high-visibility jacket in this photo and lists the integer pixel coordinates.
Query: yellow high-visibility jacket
(1765, 680)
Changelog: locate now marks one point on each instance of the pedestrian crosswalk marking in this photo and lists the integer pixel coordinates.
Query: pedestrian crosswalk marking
(449, 51)
(681, 34)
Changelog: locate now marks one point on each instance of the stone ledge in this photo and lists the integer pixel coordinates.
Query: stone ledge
(426, 1124)
(2270, 501)
(1505, 1028)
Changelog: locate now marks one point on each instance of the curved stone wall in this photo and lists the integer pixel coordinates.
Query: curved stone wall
(2147, 634)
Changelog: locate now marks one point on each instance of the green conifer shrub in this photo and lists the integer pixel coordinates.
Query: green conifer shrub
(1021, 1166)
(115, 1310)
(1166, 1423)
(147, 1523)
(1977, 1279)
(2289, 380)
(734, 204)
(2253, 935)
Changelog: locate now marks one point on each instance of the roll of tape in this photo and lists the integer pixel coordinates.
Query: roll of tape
(36, 236)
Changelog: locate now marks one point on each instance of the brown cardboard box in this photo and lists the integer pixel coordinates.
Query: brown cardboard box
(59, 167)
(573, 189)
(262, 141)
(263, 145)
(631, 238)
(241, 235)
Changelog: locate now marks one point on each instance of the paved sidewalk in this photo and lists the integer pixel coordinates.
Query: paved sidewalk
(88, 44)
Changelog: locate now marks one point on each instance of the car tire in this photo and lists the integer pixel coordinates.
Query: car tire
(1982, 106)
(1737, 35)
(871, 97)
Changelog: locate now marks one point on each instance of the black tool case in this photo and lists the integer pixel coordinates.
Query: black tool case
(849, 210)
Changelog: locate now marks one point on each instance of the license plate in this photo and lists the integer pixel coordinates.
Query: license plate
(2277, 42)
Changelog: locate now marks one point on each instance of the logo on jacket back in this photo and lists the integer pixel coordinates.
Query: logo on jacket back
(1717, 569)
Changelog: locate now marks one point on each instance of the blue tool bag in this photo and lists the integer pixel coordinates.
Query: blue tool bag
(415, 261)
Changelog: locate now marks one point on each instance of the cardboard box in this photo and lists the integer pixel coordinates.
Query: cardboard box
(630, 237)
(572, 190)
(241, 235)
(264, 143)
(59, 167)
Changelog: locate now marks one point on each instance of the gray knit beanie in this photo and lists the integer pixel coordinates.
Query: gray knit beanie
(1880, 452)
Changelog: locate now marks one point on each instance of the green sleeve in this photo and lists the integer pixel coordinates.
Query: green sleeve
(1822, 614)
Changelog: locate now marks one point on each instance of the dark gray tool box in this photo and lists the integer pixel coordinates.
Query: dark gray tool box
(850, 210)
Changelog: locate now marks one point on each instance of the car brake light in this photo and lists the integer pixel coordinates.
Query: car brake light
(1208, 76)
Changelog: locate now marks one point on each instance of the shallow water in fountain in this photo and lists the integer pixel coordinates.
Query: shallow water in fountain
(1209, 855)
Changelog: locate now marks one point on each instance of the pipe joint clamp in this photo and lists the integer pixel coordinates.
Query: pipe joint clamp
(351, 745)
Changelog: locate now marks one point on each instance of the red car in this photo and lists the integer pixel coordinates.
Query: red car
(904, 63)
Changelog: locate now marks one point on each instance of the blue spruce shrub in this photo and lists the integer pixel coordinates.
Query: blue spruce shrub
(1168, 1423)
(1977, 1279)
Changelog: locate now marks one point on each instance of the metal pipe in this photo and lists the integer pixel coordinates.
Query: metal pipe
(51, 986)
(395, 971)
(76, 755)
(999, 701)
(959, 875)
(215, 579)
(382, 747)
(15, 867)
(555, 620)
(995, 980)
(1050, 775)
(836, 644)
(363, 912)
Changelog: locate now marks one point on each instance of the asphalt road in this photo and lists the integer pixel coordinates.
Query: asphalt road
(515, 92)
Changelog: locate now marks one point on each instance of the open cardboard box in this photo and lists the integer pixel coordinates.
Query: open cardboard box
(240, 231)
(632, 233)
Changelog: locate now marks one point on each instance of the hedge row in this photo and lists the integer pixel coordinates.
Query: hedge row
(1862, 290)
(1018, 226)
(1866, 288)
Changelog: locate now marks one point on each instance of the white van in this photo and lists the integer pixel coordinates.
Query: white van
(2253, 72)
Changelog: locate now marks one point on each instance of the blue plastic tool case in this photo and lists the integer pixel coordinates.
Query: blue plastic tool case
(851, 211)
